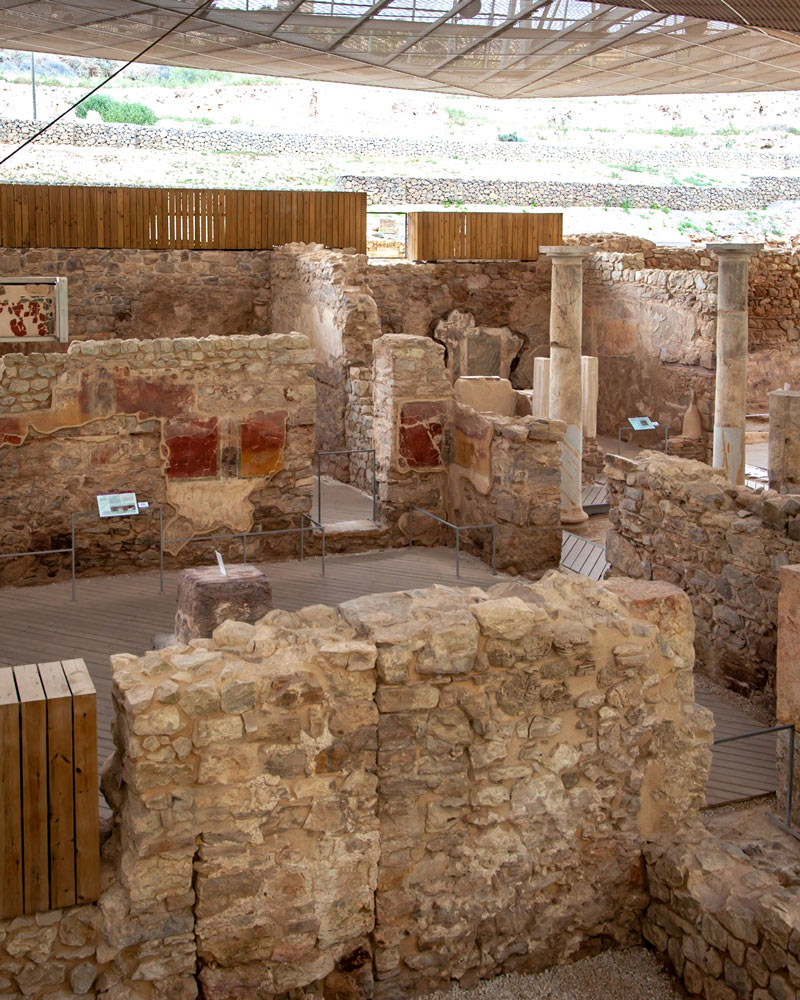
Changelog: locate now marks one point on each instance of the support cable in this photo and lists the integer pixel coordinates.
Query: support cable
(152, 45)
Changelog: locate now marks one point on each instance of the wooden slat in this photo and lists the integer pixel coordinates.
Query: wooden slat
(480, 235)
(11, 900)
(163, 218)
(87, 833)
(61, 813)
(33, 718)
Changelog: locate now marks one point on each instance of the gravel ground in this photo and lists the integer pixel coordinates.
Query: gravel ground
(634, 974)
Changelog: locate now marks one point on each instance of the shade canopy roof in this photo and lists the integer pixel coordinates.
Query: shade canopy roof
(495, 48)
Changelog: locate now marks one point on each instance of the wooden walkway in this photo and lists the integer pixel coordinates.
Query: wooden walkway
(583, 556)
(744, 769)
(122, 614)
(341, 502)
(594, 498)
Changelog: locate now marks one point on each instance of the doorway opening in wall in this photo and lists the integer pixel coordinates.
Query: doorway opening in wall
(345, 488)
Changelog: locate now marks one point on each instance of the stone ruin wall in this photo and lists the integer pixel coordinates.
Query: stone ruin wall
(724, 913)
(218, 431)
(653, 332)
(677, 520)
(146, 294)
(378, 799)
(467, 467)
(324, 294)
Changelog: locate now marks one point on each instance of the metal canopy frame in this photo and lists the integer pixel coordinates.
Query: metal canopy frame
(494, 48)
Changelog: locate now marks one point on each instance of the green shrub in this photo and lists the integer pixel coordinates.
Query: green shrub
(509, 137)
(117, 111)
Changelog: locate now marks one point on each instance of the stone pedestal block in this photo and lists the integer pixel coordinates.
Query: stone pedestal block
(206, 598)
(487, 394)
(784, 441)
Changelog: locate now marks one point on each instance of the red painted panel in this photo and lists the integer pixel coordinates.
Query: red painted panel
(263, 439)
(11, 430)
(422, 434)
(193, 448)
(157, 397)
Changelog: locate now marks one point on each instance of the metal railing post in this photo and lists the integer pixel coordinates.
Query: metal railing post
(790, 789)
(458, 552)
(302, 537)
(161, 549)
(494, 550)
(319, 487)
(72, 555)
(244, 548)
(322, 529)
(410, 526)
(374, 489)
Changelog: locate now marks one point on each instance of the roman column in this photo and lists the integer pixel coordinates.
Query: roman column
(566, 334)
(730, 404)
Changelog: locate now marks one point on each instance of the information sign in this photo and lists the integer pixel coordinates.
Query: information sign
(117, 504)
(642, 423)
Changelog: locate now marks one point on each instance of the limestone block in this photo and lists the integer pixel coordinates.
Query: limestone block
(486, 394)
(206, 599)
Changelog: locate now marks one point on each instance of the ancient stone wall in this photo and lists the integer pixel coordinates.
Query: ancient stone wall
(413, 298)
(413, 405)
(218, 431)
(506, 471)
(725, 914)
(324, 294)
(378, 799)
(653, 332)
(146, 294)
(675, 519)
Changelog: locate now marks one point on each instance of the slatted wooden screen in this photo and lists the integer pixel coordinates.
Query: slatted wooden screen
(49, 818)
(481, 235)
(35, 215)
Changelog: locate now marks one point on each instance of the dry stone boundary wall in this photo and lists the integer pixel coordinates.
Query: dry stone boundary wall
(377, 799)
(676, 154)
(388, 191)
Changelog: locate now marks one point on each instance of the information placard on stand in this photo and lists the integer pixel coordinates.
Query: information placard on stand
(117, 504)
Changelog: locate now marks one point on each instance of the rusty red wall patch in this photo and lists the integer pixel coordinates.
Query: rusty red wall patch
(263, 439)
(157, 397)
(422, 434)
(193, 448)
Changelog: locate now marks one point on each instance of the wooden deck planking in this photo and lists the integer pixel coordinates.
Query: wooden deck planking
(341, 502)
(583, 556)
(123, 613)
(744, 769)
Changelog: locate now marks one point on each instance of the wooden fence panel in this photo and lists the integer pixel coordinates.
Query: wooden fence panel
(33, 215)
(49, 826)
(481, 235)
(11, 812)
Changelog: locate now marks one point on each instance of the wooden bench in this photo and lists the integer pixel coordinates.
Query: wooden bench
(49, 821)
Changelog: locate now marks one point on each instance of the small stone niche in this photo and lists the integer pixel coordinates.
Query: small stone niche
(206, 598)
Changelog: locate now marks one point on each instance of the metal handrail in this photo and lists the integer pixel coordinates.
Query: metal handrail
(244, 535)
(458, 528)
(786, 823)
(72, 549)
(348, 451)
